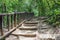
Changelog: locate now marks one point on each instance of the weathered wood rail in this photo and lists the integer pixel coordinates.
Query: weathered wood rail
(14, 20)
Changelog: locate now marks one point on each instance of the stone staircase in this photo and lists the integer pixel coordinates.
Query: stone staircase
(33, 30)
(27, 31)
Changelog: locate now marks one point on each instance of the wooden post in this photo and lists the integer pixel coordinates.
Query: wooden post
(18, 19)
(11, 21)
(24, 16)
(8, 24)
(1, 21)
(14, 20)
(21, 17)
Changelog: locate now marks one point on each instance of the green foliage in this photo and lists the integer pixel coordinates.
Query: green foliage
(49, 8)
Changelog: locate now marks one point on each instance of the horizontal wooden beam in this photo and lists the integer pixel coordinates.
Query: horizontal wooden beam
(3, 14)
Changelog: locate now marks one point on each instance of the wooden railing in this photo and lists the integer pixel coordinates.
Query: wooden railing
(14, 20)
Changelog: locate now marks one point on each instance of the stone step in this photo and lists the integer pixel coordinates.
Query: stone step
(28, 28)
(30, 24)
(27, 38)
(27, 33)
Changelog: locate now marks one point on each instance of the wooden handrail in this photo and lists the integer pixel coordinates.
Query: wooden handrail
(3, 14)
(8, 33)
(12, 30)
(15, 24)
